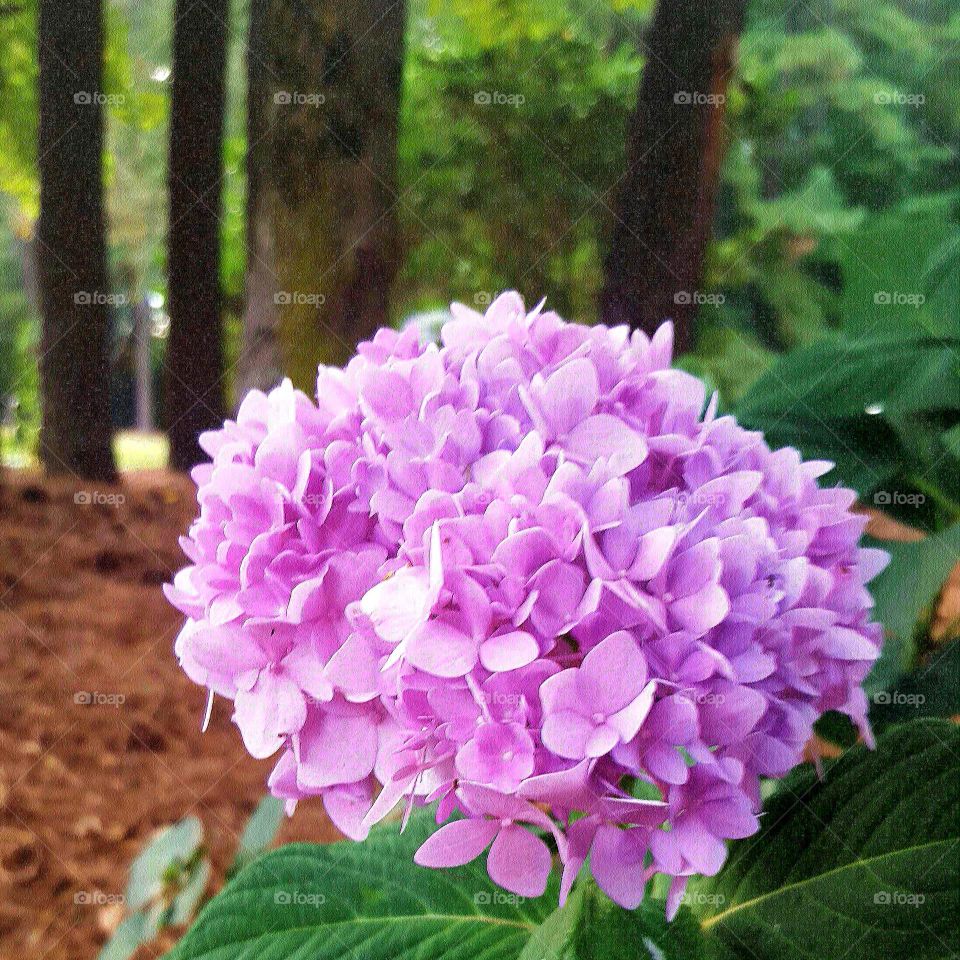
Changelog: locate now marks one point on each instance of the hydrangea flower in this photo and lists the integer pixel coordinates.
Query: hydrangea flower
(531, 576)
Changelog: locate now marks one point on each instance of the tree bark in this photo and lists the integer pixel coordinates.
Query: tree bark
(75, 432)
(674, 148)
(142, 366)
(194, 363)
(329, 182)
(259, 365)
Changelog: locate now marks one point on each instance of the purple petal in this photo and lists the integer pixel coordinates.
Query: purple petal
(612, 674)
(271, 711)
(335, 749)
(441, 650)
(616, 862)
(519, 861)
(606, 437)
(508, 651)
(567, 734)
(456, 843)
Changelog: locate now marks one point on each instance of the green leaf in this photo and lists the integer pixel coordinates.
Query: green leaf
(170, 849)
(185, 903)
(592, 927)
(932, 690)
(556, 937)
(126, 938)
(862, 865)
(845, 377)
(348, 900)
(903, 592)
(260, 831)
(835, 399)
(886, 275)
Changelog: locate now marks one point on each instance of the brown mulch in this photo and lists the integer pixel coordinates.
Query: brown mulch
(83, 785)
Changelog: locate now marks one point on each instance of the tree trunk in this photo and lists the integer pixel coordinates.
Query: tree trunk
(194, 364)
(329, 184)
(75, 432)
(674, 148)
(259, 365)
(142, 366)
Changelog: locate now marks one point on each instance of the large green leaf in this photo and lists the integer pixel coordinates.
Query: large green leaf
(846, 377)
(591, 927)
(369, 900)
(843, 399)
(903, 592)
(862, 865)
(887, 270)
(932, 690)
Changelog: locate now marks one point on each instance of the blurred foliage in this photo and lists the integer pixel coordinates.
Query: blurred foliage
(169, 878)
(840, 182)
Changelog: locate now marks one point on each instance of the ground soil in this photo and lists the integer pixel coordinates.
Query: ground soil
(84, 784)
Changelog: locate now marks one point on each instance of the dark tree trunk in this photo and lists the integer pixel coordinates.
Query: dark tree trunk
(674, 148)
(259, 364)
(329, 184)
(75, 432)
(142, 366)
(194, 365)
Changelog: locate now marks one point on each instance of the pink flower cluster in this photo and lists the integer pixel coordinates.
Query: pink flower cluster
(529, 575)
